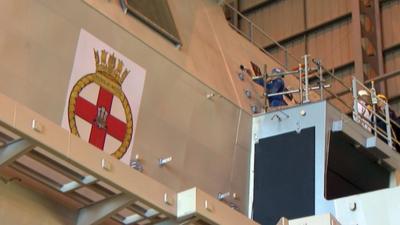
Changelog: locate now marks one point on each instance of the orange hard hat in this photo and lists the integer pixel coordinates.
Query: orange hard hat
(382, 97)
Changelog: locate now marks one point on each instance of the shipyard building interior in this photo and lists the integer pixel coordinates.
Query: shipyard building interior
(178, 112)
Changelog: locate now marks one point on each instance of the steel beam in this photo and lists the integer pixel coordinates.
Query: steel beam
(378, 79)
(38, 177)
(258, 6)
(381, 2)
(392, 48)
(384, 76)
(73, 185)
(100, 211)
(57, 166)
(13, 150)
(310, 30)
(132, 219)
(335, 70)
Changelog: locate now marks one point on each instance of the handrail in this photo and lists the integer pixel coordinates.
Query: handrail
(250, 37)
(333, 75)
(304, 67)
(258, 46)
(287, 53)
(389, 134)
(251, 22)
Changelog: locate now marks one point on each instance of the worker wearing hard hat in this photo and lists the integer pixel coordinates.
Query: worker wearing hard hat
(274, 86)
(364, 113)
(395, 130)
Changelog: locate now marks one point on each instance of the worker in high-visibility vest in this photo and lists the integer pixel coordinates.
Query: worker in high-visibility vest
(363, 115)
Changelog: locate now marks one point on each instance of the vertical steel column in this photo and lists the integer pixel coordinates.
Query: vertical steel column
(235, 19)
(306, 91)
(321, 80)
(300, 84)
(355, 97)
(356, 40)
(367, 39)
(388, 125)
(374, 102)
(265, 75)
(374, 119)
(286, 60)
(251, 31)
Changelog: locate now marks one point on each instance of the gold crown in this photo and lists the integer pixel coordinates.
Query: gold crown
(107, 66)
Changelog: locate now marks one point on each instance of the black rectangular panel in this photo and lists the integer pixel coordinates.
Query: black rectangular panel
(284, 174)
(352, 169)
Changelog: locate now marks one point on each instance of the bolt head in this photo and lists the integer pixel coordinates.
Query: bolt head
(353, 206)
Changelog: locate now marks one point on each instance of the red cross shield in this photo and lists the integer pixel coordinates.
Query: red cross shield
(98, 112)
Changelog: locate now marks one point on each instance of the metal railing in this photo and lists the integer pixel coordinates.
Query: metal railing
(305, 71)
(369, 117)
(257, 36)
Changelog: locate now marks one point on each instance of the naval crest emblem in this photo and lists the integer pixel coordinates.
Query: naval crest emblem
(108, 79)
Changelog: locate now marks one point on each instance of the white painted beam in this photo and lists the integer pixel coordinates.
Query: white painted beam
(73, 185)
(13, 150)
(98, 212)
